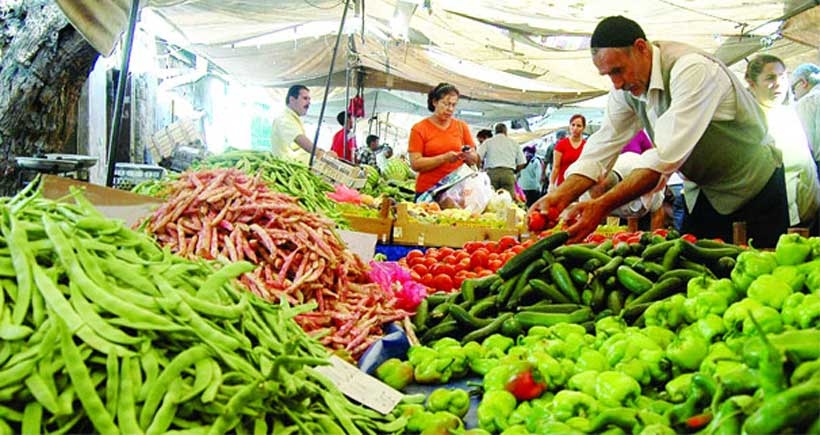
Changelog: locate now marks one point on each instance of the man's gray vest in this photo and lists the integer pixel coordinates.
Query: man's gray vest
(733, 160)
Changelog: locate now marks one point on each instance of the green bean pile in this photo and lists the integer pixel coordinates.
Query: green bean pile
(102, 331)
(282, 176)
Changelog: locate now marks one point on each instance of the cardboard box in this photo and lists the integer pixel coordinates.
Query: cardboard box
(113, 203)
(381, 226)
(408, 232)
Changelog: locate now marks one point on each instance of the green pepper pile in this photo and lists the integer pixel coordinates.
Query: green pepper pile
(102, 331)
(550, 282)
(737, 350)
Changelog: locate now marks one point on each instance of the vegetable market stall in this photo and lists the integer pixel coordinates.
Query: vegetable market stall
(450, 227)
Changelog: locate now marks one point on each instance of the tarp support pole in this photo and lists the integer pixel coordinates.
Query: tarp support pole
(116, 116)
(327, 84)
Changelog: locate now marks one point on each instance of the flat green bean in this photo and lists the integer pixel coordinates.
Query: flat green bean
(21, 258)
(41, 391)
(112, 383)
(32, 419)
(97, 323)
(83, 384)
(171, 372)
(126, 408)
(165, 414)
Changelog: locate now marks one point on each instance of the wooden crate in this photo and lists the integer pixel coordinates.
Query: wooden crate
(408, 232)
(381, 226)
(335, 171)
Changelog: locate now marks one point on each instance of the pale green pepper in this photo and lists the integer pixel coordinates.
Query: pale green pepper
(616, 389)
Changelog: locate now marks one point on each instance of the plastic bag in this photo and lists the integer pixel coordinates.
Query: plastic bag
(394, 279)
(476, 192)
(448, 181)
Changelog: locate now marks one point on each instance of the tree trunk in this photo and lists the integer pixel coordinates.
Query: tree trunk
(44, 63)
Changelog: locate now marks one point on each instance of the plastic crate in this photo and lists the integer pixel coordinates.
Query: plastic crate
(335, 171)
(128, 175)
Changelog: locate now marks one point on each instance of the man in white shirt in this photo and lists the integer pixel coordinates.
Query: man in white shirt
(288, 139)
(502, 157)
(806, 87)
(703, 124)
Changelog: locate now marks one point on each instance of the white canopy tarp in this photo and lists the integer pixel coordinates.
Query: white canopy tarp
(527, 52)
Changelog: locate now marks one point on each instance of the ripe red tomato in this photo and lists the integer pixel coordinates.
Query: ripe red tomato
(442, 282)
(413, 254)
(419, 269)
(427, 279)
(446, 251)
(536, 221)
(494, 265)
(443, 268)
(507, 242)
(491, 246)
(471, 247)
(689, 238)
(479, 258)
(464, 264)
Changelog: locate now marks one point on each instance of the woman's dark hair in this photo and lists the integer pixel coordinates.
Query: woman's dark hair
(579, 116)
(755, 66)
(440, 91)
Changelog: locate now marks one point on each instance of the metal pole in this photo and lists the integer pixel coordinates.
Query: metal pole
(118, 100)
(327, 83)
(347, 101)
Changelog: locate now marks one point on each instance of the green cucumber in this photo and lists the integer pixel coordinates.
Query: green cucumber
(532, 253)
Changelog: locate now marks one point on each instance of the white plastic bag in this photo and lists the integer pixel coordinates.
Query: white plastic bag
(471, 193)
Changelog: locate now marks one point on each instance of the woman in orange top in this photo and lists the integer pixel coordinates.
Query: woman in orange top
(436, 142)
(568, 149)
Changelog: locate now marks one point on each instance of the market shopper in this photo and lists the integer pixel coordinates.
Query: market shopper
(345, 151)
(502, 158)
(568, 149)
(702, 122)
(369, 153)
(531, 178)
(288, 139)
(483, 135)
(805, 83)
(766, 75)
(440, 143)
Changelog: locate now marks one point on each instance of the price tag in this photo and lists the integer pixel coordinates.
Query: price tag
(360, 386)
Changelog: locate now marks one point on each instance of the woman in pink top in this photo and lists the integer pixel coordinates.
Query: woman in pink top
(568, 149)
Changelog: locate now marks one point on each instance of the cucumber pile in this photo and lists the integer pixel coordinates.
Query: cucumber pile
(551, 282)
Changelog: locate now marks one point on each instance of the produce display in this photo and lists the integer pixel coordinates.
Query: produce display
(224, 213)
(431, 213)
(282, 176)
(444, 269)
(732, 347)
(378, 185)
(102, 331)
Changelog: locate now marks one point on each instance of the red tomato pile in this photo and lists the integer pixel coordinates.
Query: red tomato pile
(444, 269)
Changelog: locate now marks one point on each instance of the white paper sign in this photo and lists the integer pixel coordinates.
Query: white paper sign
(360, 386)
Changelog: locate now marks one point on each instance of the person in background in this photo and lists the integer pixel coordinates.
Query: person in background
(703, 123)
(440, 143)
(288, 139)
(531, 177)
(805, 83)
(483, 135)
(502, 158)
(766, 75)
(345, 152)
(568, 149)
(369, 153)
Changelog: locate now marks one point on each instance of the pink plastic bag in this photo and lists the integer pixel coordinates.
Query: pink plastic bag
(396, 280)
(344, 194)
